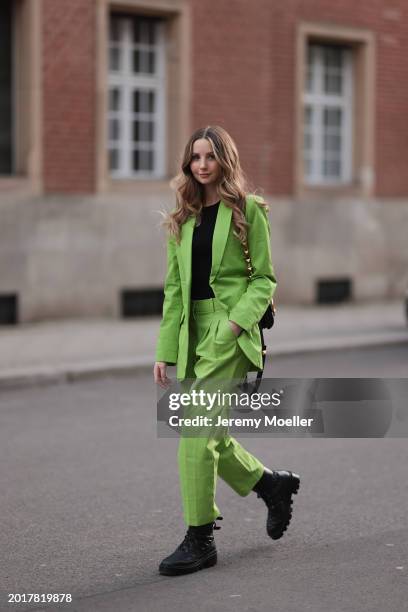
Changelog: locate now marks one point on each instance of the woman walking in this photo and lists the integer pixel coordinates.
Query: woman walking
(218, 285)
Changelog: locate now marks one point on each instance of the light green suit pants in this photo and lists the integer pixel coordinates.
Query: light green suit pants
(214, 354)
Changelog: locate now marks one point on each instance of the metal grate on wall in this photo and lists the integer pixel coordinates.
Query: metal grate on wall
(8, 309)
(333, 291)
(141, 302)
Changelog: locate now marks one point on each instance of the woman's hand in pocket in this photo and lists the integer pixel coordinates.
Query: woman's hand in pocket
(236, 329)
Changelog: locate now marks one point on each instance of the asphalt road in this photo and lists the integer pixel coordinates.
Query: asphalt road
(90, 505)
(382, 362)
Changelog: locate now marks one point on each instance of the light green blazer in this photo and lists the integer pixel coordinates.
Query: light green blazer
(245, 300)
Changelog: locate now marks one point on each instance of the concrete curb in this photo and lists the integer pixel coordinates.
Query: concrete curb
(37, 376)
(68, 373)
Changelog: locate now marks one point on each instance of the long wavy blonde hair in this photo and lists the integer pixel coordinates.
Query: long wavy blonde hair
(232, 187)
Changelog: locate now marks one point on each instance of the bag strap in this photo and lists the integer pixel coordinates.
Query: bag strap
(255, 385)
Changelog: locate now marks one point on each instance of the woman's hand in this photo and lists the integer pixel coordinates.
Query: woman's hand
(235, 327)
(160, 374)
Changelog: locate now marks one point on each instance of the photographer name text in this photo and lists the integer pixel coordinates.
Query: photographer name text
(255, 422)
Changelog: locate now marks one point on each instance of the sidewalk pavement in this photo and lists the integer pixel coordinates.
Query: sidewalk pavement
(67, 350)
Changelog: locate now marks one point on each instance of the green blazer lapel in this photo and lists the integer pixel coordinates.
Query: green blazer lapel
(221, 231)
(187, 230)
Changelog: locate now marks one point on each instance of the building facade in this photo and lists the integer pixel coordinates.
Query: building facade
(98, 97)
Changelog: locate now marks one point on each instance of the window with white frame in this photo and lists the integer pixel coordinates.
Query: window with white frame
(136, 111)
(327, 115)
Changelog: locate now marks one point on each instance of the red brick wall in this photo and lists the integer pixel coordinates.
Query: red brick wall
(391, 134)
(244, 72)
(69, 95)
(232, 85)
(243, 78)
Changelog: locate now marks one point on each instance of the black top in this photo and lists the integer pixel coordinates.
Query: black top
(201, 257)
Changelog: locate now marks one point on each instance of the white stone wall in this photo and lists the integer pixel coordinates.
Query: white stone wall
(364, 240)
(69, 256)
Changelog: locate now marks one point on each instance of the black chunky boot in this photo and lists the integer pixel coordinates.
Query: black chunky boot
(197, 551)
(276, 489)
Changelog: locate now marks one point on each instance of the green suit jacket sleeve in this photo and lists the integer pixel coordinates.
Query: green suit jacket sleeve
(167, 346)
(252, 304)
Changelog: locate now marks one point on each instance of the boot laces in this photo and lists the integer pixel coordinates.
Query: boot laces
(192, 537)
(188, 542)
